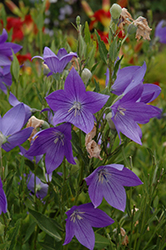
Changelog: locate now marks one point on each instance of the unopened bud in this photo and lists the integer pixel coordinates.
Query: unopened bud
(86, 75)
(131, 29)
(115, 11)
(78, 21)
(45, 125)
(110, 122)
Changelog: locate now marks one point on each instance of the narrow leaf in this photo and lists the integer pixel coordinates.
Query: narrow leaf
(102, 48)
(15, 67)
(46, 224)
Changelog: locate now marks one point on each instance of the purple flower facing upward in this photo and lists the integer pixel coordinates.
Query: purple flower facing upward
(3, 200)
(56, 143)
(6, 49)
(160, 31)
(56, 63)
(74, 104)
(79, 223)
(108, 181)
(128, 111)
(41, 188)
(11, 124)
(5, 78)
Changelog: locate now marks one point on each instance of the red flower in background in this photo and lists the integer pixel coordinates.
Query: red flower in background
(15, 23)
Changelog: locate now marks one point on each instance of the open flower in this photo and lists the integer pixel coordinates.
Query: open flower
(160, 31)
(11, 124)
(6, 49)
(108, 181)
(3, 200)
(129, 111)
(74, 104)
(79, 223)
(56, 63)
(56, 143)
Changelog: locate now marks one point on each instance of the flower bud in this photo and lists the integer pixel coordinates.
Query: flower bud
(115, 11)
(86, 75)
(78, 21)
(110, 122)
(131, 29)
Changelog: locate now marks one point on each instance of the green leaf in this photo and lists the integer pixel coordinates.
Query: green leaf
(15, 68)
(46, 224)
(30, 231)
(4, 245)
(100, 241)
(15, 235)
(87, 35)
(102, 48)
(113, 50)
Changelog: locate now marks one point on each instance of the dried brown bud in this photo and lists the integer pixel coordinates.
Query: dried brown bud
(35, 123)
(142, 28)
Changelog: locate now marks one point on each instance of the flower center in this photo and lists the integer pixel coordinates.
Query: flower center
(102, 175)
(2, 139)
(77, 107)
(121, 110)
(76, 215)
(59, 136)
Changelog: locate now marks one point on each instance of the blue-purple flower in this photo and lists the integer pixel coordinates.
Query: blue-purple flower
(128, 111)
(108, 181)
(3, 200)
(6, 49)
(74, 104)
(160, 31)
(41, 188)
(56, 143)
(79, 223)
(11, 124)
(56, 63)
(5, 78)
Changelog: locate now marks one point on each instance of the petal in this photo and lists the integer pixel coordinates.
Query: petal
(62, 52)
(74, 86)
(17, 139)
(68, 152)
(128, 127)
(13, 100)
(3, 88)
(84, 234)
(125, 177)
(69, 231)
(95, 101)
(6, 48)
(54, 157)
(114, 193)
(3, 36)
(94, 216)
(3, 202)
(150, 92)
(4, 60)
(13, 120)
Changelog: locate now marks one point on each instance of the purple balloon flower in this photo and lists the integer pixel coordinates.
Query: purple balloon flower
(56, 143)
(74, 104)
(41, 188)
(108, 181)
(160, 31)
(3, 200)
(11, 124)
(79, 223)
(6, 49)
(56, 63)
(128, 111)
(5, 78)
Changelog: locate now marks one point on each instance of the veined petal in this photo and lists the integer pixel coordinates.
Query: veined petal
(5, 60)
(84, 234)
(128, 127)
(3, 200)
(95, 101)
(150, 92)
(13, 120)
(69, 232)
(61, 53)
(6, 48)
(125, 177)
(53, 64)
(17, 139)
(54, 157)
(3, 36)
(68, 152)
